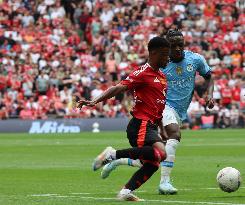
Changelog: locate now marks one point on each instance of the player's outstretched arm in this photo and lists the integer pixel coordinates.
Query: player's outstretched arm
(210, 88)
(109, 93)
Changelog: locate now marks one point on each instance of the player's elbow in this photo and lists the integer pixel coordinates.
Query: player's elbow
(208, 76)
(120, 88)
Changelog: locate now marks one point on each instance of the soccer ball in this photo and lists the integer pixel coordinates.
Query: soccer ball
(229, 179)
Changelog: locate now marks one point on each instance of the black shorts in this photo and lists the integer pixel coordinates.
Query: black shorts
(142, 133)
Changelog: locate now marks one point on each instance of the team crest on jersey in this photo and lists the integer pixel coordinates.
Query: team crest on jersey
(189, 68)
(179, 70)
(163, 81)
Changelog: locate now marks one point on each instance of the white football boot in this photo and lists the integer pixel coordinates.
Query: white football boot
(127, 195)
(167, 188)
(107, 169)
(103, 158)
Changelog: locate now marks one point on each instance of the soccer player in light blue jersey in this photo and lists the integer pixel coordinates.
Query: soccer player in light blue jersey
(180, 73)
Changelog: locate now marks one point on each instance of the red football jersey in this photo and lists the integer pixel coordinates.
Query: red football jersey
(149, 88)
(226, 94)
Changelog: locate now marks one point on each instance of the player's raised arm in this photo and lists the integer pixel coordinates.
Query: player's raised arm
(109, 93)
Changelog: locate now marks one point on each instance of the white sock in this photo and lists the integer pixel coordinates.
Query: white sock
(113, 154)
(167, 165)
(127, 161)
(134, 163)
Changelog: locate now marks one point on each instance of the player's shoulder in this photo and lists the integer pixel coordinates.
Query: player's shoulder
(193, 56)
(163, 75)
(141, 70)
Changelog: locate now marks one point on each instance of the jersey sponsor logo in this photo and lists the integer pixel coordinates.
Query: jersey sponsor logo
(156, 80)
(186, 82)
(142, 68)
(189, 68)
(179, 70)
(52, 127)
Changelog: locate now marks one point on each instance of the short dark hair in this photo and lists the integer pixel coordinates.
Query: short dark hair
(173, 32)
(157, 42)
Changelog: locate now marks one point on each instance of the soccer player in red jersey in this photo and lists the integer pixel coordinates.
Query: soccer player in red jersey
(149, 87)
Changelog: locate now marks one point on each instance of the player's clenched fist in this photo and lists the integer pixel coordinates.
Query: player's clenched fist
(81, 103)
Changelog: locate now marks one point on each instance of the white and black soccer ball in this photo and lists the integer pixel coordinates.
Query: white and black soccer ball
(229, 179)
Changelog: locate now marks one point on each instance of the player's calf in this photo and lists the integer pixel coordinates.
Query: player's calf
(108, 168)
(142, 175)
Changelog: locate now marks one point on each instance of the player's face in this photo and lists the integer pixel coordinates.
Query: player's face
(176, 47)
(162, 57)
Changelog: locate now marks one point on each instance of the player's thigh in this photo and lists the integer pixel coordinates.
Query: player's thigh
(159, 145)
(171, 122)
(142, 133)
(153, 139)
(152, 135)
(134, 129)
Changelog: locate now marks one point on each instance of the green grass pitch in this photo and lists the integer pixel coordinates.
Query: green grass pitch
(52, 169)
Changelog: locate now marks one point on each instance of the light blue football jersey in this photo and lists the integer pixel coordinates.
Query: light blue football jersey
(181, 81)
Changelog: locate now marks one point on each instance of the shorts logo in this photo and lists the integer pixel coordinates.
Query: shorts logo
(189, 68)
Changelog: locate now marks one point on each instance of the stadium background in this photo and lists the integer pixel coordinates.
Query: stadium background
(50, 50)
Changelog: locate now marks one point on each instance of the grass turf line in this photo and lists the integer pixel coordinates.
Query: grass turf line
(60, 164)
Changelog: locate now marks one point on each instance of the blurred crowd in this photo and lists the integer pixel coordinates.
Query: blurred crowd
(53, 49)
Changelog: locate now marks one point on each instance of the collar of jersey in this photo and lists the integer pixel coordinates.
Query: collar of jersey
(183, 56)
(151, 67)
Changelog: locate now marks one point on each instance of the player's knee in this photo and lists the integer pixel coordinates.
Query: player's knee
(173, 131)
(160, 154)
(176, 134)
